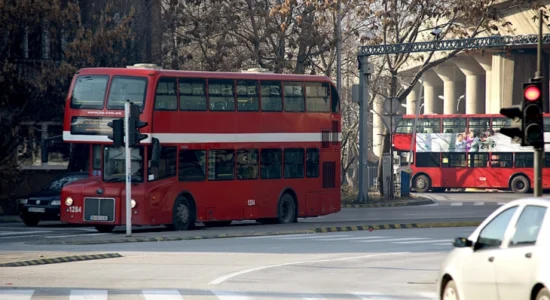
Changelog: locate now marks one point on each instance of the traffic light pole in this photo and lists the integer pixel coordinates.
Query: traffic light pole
(128, 164)
(539, 151)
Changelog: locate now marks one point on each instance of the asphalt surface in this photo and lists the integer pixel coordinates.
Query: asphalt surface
(391, 264)
(55, 232)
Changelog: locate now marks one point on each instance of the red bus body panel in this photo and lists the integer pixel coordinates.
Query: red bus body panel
(205, 130)
(466, 176)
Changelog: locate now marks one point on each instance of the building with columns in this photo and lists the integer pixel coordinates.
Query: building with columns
(473, 82)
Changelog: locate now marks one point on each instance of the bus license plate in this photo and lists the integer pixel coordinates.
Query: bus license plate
(37, 209)
(98, 218)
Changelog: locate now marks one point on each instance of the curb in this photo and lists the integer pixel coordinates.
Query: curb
(395, 226)
(10, 219)
(394, 204)
(57, 260)
(173, 238)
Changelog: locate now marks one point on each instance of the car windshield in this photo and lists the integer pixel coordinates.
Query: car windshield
(114, 164)
(59, 183)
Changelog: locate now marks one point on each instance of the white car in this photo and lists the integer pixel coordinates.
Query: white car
(507, 257)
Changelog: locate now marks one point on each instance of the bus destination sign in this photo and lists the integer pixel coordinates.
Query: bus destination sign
(91, 125)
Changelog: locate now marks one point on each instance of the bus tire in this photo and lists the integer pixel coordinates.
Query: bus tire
(286, 209)
(183, 214)
(422, 183)
(104, 228)
(520, 184)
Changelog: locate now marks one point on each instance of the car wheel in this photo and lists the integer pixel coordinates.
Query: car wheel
(30, 220)
(543, 294)
(450, 292)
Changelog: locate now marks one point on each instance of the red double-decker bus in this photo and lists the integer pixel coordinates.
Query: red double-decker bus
(220, 147)
(465, 151)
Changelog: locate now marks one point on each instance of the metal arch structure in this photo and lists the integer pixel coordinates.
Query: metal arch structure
(365, 71)
(445, 45)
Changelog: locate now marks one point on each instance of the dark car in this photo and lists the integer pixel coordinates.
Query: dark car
(44, 205)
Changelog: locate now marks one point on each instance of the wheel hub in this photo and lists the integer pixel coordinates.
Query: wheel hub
(183, 213)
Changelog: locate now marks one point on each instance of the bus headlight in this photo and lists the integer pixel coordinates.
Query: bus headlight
(133, 203)
(56, 202)
(69, 201)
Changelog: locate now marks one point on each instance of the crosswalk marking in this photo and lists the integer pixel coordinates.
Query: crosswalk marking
(16, 294)
(457, 204)
(161, 295)
(173, 294)
(88, 295)
(501, 203)
(479, 203)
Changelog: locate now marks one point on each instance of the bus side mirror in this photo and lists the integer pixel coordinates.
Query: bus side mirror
(155, 154)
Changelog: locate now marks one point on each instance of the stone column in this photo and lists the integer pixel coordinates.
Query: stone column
(475, 77)
(453, 82)
(413, 100)
(486, 62)
(432, 88)
(502, 81)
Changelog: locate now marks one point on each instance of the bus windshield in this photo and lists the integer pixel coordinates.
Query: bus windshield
(89, 91)
(114, 164)
(126, 88)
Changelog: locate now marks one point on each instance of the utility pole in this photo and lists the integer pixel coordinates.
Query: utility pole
(339, 48)
(128, 162)
(539, 149)
(364, 73)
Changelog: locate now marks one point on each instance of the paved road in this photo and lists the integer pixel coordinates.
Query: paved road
(487, 198)
(393, 264)
(54, 231)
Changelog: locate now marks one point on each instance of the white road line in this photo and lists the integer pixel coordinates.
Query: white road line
(161, 295)
(88, 295)
(274, 236)
(225, 295)
(16, 294)
(443, 244)
(235, 274)
(369, 295)
(21, 232)
(317, 236)
(391, 240)
(501, 203)
(313, 296)
(429, 295)
(72, 235)
(349, 238)
(479, 203)
(456, 204)
(424, 242)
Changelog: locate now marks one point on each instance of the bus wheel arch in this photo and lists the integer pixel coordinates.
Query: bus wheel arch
(184, 212)
(287, 198)
(422, 177)
(519, 183)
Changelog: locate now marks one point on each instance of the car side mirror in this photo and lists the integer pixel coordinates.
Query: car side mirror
(461, 242)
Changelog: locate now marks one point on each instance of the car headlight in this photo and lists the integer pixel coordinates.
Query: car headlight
(56, 202)
(133, 203)
(69, 201)
(23, 201)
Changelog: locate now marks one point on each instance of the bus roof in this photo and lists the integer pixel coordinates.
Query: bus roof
(203, 74)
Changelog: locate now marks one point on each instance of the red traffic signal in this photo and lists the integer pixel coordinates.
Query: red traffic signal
(531, 93)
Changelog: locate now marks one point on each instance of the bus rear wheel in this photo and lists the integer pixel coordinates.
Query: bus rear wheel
(286, 211)
(422, 183)
(520, 184)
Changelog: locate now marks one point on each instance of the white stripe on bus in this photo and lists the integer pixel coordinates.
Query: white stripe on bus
(193, 138)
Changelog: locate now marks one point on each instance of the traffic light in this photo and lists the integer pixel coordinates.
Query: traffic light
(532, 107)
(117, 136)
(515, 130)
(134, 126)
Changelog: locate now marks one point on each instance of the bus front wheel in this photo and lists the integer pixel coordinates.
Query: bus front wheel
(422, 183)
(520, 184)
(286, 212)
(183, 214)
